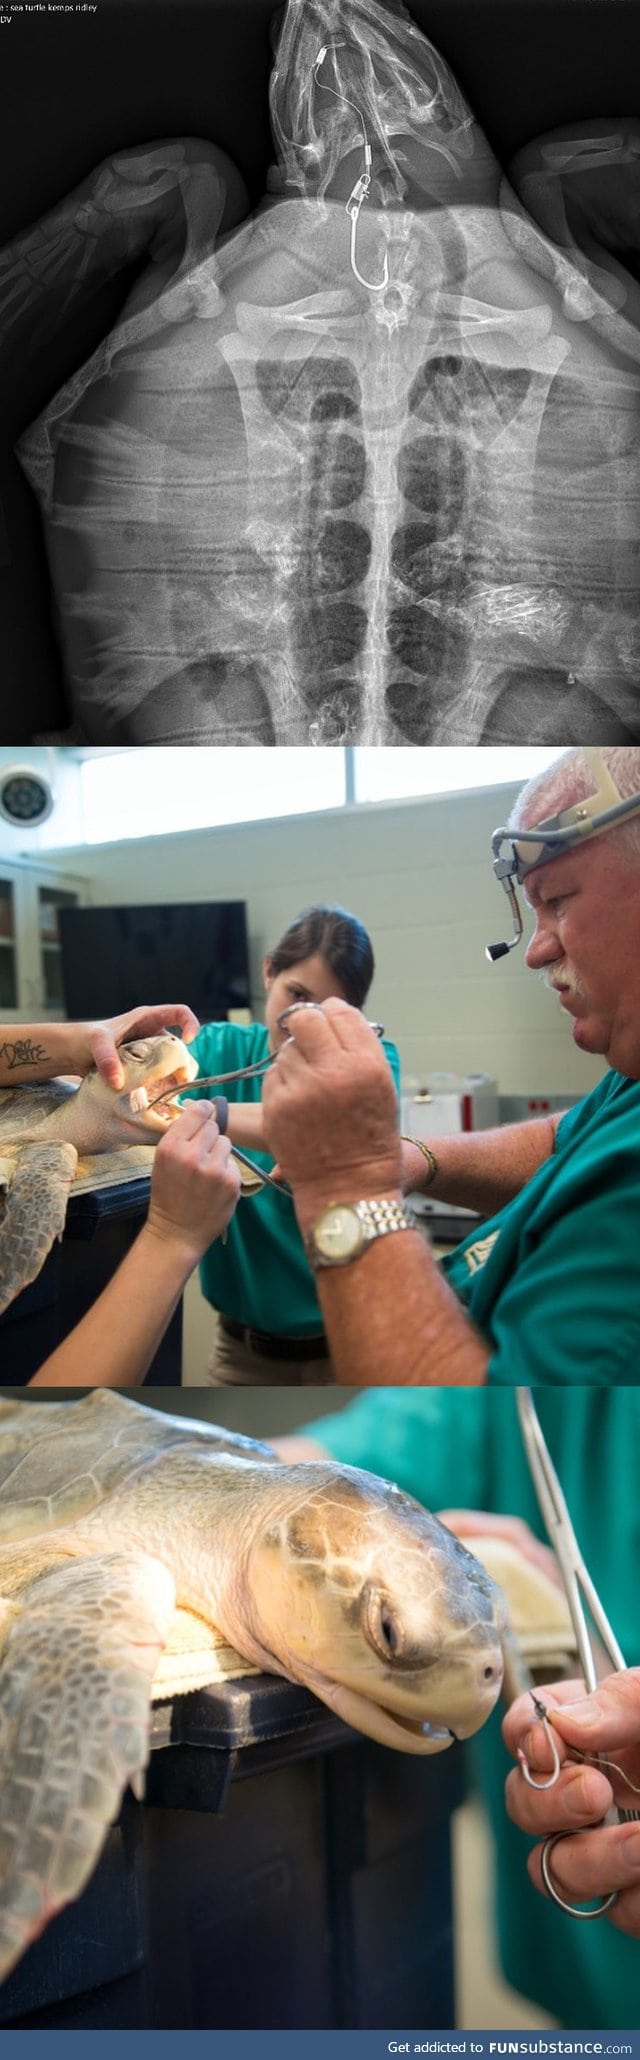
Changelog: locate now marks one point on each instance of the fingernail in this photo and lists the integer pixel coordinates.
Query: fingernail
(584, 1712)
(631, 1849)
(585, 1792)
(537, 1750)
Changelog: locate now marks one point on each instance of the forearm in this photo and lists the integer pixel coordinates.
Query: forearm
(392, 1320)
(245, 1125)
(298, 1449)
(331, 1121)
(38, 1051)
(481, 1169)
(114, 1344)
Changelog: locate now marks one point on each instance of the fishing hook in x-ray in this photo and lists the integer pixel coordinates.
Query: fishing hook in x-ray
(360, 190)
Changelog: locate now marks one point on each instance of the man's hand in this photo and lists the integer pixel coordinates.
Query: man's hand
(98, 1042)
(195, 1183)
(592, 1862)
(330, 1115)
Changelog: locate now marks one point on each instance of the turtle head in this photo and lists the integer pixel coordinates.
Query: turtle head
(149, 1064)
(366, 1598)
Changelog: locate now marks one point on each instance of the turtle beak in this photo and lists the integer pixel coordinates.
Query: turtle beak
(468, 1698)
(154, 1105)
(386, 1726)
(151, 1106)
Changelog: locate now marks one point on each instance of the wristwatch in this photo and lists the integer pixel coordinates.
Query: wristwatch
(345, 1229)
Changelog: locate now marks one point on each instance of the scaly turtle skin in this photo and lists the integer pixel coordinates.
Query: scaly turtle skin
(43, 1130)
(111, 1515)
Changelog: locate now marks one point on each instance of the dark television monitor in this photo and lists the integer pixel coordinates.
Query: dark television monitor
(116, 958)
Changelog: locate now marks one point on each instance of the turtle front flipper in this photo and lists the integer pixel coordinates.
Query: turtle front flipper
(78, 1650)
(33, 1204)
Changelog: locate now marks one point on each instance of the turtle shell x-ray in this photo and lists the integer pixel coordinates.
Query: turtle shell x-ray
(362, 466)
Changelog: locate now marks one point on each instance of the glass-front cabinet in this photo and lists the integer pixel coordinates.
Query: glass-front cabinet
(31, 986)
(50, 901)
(8, 946)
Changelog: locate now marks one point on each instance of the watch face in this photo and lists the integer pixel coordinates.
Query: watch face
(338, 1235)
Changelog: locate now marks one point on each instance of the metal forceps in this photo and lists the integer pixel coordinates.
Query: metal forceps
(579, 1589)
(261, 1177)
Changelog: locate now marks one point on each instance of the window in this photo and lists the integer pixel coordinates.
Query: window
(162, 790)
(386, 774)
(149, 793)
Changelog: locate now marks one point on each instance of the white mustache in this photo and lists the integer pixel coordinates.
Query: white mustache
(564, 977)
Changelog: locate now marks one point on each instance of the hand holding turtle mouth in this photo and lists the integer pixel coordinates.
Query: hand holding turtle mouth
(45, 1127)
(99, 1043)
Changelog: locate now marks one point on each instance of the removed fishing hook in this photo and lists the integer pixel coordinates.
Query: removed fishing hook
(360, 190)
(353, 207)
(587, 1759)
(522, 1757)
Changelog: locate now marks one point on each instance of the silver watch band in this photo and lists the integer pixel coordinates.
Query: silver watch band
(380, 1217)
(332, 1243)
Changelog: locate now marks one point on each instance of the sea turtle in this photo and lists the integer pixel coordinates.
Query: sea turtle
(359, 467)
(110, 1515)
(45, 1127)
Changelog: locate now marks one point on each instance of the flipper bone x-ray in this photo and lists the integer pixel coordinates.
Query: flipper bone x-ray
(363, 466)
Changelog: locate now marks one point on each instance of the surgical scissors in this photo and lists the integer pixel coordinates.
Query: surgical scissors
(578, 1585)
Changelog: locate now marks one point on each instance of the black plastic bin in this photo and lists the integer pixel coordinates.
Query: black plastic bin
(100, 1226)
(283, 1873)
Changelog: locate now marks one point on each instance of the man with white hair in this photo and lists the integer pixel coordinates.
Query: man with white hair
(546, 1292)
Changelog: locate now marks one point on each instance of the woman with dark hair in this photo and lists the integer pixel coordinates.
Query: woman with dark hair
(270, 1328)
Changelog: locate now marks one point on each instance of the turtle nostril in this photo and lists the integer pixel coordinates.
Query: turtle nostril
(492, 1671)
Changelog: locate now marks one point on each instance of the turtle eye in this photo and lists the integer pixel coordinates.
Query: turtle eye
(381, 1625)
(388, 1629)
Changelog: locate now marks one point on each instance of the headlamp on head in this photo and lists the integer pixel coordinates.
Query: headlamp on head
(600, 811)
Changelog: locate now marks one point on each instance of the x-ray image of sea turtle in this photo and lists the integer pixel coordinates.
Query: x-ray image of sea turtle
(362, 466)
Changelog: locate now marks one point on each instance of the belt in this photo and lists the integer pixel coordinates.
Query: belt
(269, 1346)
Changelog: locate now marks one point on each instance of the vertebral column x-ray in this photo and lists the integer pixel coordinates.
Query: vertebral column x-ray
(365, 466)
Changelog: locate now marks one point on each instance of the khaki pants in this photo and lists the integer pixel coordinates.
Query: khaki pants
(233, 1364)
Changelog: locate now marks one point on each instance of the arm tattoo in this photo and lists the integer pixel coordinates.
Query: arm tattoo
(23, 1053)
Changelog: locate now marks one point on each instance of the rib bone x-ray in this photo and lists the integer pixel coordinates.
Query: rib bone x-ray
(362, 466)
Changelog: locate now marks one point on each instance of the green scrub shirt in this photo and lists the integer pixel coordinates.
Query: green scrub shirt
(260, 1275)
(552, 1281)
(462, 1449)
